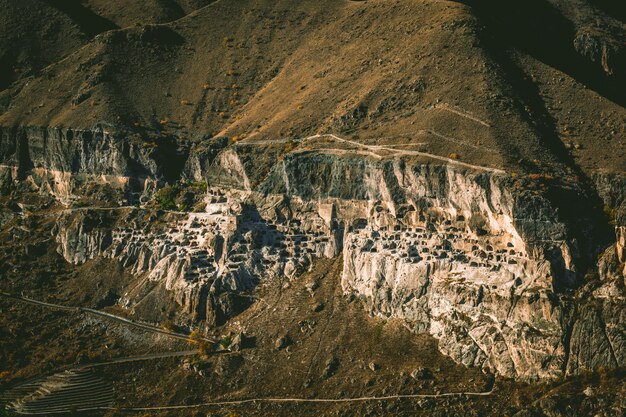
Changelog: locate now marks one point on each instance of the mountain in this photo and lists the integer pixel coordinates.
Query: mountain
(323, 183)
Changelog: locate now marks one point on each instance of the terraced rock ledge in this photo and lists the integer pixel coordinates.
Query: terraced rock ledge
(504, 276)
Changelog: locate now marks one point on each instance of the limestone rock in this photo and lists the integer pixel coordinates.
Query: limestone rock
(485, 268)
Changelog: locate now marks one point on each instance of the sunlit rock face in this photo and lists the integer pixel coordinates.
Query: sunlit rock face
(491, 270)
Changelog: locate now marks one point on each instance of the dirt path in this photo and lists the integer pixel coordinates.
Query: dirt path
(416, 153)
(372, 149)
(224, 402)
(139, 358)
(292, 400)
(123, 320)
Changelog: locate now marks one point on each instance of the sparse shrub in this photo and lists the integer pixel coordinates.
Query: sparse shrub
(225, 342)
(520, 398)
(195, 336)
(93, 356)
(195, 339)
(611, 214)
(166, 197)
(454, 156)
(291, 145)
(199, 207)
(378, 330)
(204, 348)
(169, 325)
(149, 144)
(541, 177)
(197, 184)
(603, 374)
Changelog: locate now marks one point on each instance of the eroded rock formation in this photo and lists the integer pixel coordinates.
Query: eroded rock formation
(488, 269)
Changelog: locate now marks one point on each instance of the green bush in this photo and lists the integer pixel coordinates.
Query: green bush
(166, 197)
(225, 342)
(611, 214)
(378, 330)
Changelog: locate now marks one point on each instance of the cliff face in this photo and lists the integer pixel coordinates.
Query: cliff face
(492, 270)
(62, 161)
(487, 269)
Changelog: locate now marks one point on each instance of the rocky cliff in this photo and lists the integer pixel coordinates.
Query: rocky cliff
(505, 277)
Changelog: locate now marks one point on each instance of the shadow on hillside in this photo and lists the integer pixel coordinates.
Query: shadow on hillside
(89, 22)
(537, 28)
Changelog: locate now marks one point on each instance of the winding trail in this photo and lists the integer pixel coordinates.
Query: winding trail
(37, 382)
(418, 153)
(373, 149)
(462, 113)
(139, 358)
(286, 400)
(144, 326)
(34, 381)
(292, 400)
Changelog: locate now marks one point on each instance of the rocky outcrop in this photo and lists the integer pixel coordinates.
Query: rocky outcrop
(601, 48)
(489, 269)
(64, 161)
(81, 239)
(458, 255)
(208, 260)
(620, 245)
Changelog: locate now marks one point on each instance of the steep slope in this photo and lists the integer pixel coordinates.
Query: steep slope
(22, 50)
(465, 160)
(281, 70)
(126, 13)
(36, 33)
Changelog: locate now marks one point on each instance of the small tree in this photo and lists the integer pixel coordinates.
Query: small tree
(203, 346)
(169, 325)
(166, 197)
(195, 336)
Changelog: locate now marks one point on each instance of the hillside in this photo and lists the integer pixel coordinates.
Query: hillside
(330, 207)
(372, 69)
